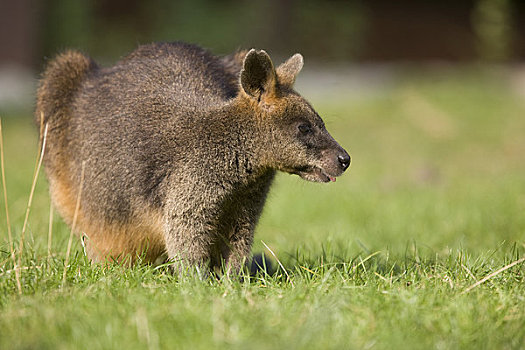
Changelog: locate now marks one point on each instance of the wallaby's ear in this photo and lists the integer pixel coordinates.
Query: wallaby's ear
(258, 73)
(287, 71)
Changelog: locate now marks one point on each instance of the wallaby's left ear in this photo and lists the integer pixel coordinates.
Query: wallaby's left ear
(287, 71)
(258, 74)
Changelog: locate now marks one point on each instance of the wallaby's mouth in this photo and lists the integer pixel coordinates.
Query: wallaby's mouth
(314, 174)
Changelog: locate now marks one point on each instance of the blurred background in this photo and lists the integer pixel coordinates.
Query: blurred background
(326, 32)
(427, 95)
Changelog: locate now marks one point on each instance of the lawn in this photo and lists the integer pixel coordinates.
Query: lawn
(410, 249)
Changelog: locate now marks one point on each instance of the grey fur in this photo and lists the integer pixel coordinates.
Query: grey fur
(179, 147)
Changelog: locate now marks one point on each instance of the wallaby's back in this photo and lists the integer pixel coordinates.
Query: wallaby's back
(159, 88)
(190, 76)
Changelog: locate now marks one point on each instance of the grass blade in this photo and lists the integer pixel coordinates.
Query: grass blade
(50, 233)
(495, 273)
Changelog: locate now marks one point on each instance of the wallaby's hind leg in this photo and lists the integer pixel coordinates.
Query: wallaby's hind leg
(114, 245)
(141, 237)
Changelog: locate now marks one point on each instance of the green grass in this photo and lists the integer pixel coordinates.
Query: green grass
(433, 203)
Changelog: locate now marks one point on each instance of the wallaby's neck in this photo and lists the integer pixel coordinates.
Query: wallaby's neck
(245, 130)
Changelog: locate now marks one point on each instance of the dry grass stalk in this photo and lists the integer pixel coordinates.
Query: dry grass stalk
(9, 233)
(281, 265)
(514, 263)
(33, 185)
(73, 226)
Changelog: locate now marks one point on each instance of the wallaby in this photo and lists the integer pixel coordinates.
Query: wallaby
(172, 150)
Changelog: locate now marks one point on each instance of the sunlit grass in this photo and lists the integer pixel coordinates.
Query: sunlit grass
(384, 258)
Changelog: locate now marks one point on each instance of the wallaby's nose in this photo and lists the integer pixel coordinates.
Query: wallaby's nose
(344, 160)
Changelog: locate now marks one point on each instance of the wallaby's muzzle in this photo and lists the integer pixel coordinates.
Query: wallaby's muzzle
(333, 163)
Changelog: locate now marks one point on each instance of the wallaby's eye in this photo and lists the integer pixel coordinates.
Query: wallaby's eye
(305, 128)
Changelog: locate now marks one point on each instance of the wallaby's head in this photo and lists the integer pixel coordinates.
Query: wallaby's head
(294, 135)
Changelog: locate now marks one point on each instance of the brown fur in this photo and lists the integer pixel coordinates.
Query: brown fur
(179, 147)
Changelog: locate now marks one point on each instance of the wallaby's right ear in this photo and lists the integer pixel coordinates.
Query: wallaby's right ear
(258, 74)
(287, 71)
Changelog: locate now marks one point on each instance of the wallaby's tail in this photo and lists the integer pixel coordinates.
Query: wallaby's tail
(58, 86)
